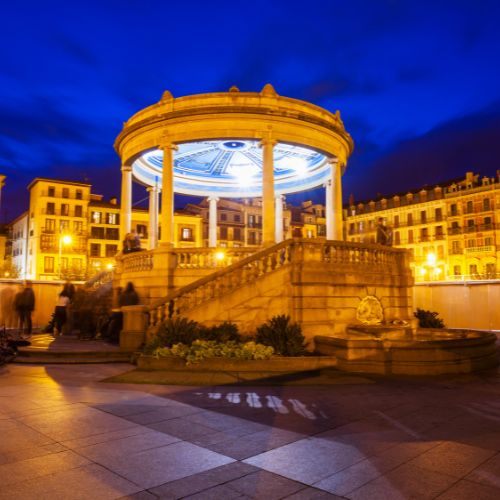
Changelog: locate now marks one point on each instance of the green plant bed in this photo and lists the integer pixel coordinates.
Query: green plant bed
(274, 364)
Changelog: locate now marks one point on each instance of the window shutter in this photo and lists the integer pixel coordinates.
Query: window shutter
(118, 219)
(92, 216)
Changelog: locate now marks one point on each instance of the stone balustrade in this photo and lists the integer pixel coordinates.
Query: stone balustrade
(251, 267)
(101, 279)
(200, 258)
(138, 261)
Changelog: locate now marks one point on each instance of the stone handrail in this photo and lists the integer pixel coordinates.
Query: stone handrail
(138, 261)
(268, 260)
(101, 279)
(199, 258)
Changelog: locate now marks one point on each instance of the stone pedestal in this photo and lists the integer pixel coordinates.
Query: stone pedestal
(135, 324)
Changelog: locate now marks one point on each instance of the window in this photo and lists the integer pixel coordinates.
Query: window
(142, 231)
(79, 194)
(488, 242)
(423, 216)
(96, 263)
(64, 262)
(310, 234)
(470, 207)
(78, 263)
(52, 191)
(97, 232)
(396, 221)
(237, 234)
(424, 234)
(47, 242)
(78, 211)
(457, 270)
(64, 226)
(456, 245)
(397, 238)
(112, 219)
(223, 216)
(77, 226)
(95, 249)
(187, 234)
(439, 232)
(51, 208)
(112, 233)
(410, 219)
(486, 204)
(251, 238)
(96, 217)
(471, 243)
(297, 232)
(111, 250)
(473, 269)
(223, 233)
(236, 218)
(491, 268)
(454, 210)
(65, 193)
(50, 225)
(48, 264)
(439, 214)
(64, 209)
(410, 236)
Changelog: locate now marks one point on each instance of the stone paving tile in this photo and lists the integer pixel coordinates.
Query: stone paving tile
(158, 466)
(357, 475)
(73, 444)
(464, 490)
(313, 494)
(184, 487)
(211, 439)
(274, 438)
(40, 466)
(149, 417)
(142, 495)
(104, 453)
(182, 429)
(264, 485)
(16, 436)
(214, 420)
(217, 493)
(36, 451)
(124, 410)
(404, 482)
(83, 483)
(238, 448)
(454, 459)
(309, 460)
(487, 473)
(411, 448)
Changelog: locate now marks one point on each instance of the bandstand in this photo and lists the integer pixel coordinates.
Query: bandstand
(233, 145)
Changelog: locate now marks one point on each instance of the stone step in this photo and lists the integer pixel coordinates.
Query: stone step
(72, 360)
(33, 353)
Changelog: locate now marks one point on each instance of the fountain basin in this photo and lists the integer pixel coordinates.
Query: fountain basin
(386, 350)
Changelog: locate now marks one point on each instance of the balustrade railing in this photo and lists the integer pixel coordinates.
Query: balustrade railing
(200, 258)
(138, 261)
(250, 267)
(101, 279)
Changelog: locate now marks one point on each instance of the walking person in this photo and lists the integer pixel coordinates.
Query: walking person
(381, 232)
(27, 306)
(60, 316)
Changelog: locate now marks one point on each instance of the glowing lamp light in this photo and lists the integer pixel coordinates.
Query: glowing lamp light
(219, 255)
(110, 266)
(66, 240)
(431, 259)
(438, 270)
(6, 274)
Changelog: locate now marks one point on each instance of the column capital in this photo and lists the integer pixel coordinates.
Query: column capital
(279, 197)
(327, 183)
(213, 198)
(265, 142)
(126, 168)
(168, 145)
(153, 189)
(333, 160)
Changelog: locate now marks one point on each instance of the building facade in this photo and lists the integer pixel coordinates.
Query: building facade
(450, 228)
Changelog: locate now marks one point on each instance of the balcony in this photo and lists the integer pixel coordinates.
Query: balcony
(470, 229)
(454, 230)
(488, 249)
(64, 250)
(254, 225)
(64, 213)
(191, 239)
(424, 239)
(486, 227)
(453, 213)
(455, 251)
(439, 237)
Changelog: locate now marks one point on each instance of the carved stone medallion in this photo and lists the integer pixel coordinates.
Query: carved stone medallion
(370, 311)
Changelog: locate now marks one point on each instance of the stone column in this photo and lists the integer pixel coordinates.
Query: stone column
(167, 196)
(329, 210)
(212, 222)
(268, 218)
(126, 201)
(153, 217)
(279, 218)
(338, 228)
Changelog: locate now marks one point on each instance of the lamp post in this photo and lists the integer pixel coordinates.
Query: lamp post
(66, 240)
(431, 263)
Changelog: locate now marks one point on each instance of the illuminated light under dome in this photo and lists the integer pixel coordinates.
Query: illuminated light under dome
(233, 168)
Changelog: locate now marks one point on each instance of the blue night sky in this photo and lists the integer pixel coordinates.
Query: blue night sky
(417, 82)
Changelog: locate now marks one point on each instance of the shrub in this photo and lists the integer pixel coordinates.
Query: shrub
(173, 332)
(226, 332)
(428, 319)
(200, 349)
(284, 337)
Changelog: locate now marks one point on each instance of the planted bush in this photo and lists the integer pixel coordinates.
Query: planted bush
(200, 349)
(284, 337)
(428, 319)
(226, 332)
(173, 332)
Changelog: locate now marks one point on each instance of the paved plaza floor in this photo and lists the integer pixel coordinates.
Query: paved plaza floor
(66, 435)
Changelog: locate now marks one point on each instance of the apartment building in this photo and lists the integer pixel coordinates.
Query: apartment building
(450, 228)
(17, 243)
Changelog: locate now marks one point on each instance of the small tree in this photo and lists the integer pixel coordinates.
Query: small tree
(77, 273)
(8, 270)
